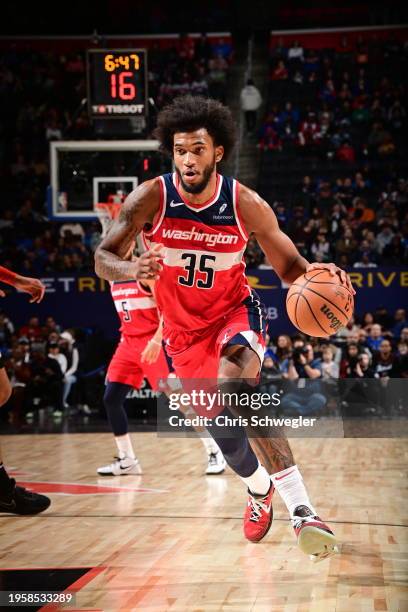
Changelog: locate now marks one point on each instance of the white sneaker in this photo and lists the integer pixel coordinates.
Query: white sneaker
(216, 463)
(121, 467)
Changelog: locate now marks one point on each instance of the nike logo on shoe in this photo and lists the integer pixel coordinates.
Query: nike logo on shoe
(128, 467)
(8, 505)
(173, 204)
(284, 476)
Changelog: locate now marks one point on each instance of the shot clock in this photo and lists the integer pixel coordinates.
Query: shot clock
(117, 83)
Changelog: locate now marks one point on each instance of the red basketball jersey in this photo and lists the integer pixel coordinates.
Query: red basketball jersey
(136, 308)
(203, 276)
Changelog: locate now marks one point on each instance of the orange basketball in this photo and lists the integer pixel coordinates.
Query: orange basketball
(319, 304)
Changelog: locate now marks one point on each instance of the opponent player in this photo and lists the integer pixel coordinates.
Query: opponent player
(138, 355)
(213, 323)
(15, 499)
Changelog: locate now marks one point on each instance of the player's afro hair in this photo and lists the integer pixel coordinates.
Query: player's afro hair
(190, 113)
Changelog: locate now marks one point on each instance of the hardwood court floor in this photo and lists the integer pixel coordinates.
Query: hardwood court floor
(173, 539)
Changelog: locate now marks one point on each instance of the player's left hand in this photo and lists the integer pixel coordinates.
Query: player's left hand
(2, 293)
(333, 270)
(151, 351)
(33, 286)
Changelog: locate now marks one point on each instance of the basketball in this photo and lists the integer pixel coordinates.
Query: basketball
(318, 304)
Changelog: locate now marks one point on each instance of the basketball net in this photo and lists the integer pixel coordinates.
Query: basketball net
(107, 213)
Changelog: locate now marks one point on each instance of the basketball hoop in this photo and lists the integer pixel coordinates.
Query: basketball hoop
(107, 213)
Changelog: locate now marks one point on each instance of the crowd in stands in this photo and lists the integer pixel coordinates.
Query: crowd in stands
(345, 220)
(351, 100)
(52, 368)
(341, 113)
(196, 67)
(48, 367)
(374, 348)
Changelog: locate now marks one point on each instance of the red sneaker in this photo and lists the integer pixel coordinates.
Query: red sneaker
(258, 515)
(314, 537)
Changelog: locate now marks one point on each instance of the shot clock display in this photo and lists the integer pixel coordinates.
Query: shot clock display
(117, 82)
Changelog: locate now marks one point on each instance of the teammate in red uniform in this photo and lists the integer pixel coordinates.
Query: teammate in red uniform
(138, 355)
(213, 323)
(15, 499)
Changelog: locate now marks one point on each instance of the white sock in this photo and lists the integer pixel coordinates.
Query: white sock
(289, 484)
(210, 445)
(260, 481)
(125, 447)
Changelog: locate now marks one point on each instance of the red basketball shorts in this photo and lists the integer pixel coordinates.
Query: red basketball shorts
(197, 354)
(126, 366)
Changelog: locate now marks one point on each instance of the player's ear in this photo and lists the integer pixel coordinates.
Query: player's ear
(219, 154)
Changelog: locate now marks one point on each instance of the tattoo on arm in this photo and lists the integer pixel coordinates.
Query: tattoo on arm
(273, 453)
(138, 209)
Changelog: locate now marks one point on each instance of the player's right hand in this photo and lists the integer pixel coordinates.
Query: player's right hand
(151, 351)
(148, 264)
(33, 286)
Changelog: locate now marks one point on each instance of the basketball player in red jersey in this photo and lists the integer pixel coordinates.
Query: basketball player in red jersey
(139, 355)
(15, 499)
(213, 324)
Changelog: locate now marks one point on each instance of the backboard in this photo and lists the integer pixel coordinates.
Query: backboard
(84, 173)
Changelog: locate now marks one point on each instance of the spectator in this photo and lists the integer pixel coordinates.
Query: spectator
(271, 140)
(69, 350)
(346, 245)
(365, 262)
(404, 334)
(25, 349)
(394, 252)
(251, 100)
(363, 368)
(296, 53)
(303, 398)
(346, 152)
(349, 362)
(45, 384)
(320, 248)
(380, 140)
(375, 338)
(50, 326)
(283, 348)
(384, 360)
(55, 353)
(305, 363)
(309, 133)
(383, 238)
(280, 73)
(330, 369)
(270, 374)
(402, 349)
(367, 321)
(289, 114)
(400, 321)
(32, 330)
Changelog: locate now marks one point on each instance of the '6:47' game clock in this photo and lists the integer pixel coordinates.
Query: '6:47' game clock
(117, 83)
